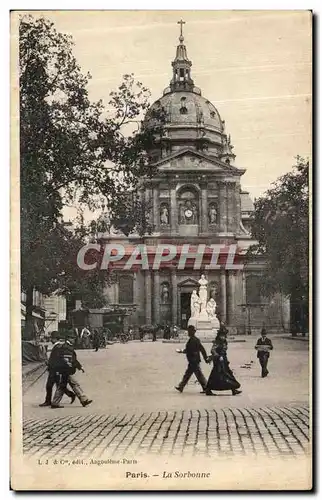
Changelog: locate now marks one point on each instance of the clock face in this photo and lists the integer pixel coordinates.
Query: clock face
(188, 213)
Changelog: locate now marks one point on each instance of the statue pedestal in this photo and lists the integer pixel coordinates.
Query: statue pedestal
(205, 328)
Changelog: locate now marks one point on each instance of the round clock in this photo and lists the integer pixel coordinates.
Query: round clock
(188, 213)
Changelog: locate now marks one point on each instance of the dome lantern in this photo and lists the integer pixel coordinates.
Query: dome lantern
(181, 80)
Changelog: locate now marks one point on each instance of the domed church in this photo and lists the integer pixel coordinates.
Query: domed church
(197, 205)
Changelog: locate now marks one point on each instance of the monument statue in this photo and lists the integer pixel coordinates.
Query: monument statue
(203, 294)
(211, 308)
(203, 311)
(194, 304)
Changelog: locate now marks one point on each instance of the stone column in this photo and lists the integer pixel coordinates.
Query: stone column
(238, 206)
(148, 295)
(204, 210)
(126, 324)
(231, 297)
(174, 294)
(223, 312)
(244, 287)
(156, 297)
(148, 196)
(222, 207)
(231, 206)
(173, 210)
(156, 211)
(136, 299)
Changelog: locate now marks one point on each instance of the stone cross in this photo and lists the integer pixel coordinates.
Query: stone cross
(181, 23)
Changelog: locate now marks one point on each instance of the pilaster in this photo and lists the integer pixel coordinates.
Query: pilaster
(174, 291)
(148, 296)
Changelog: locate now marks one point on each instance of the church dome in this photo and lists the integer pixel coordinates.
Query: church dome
(187, 108)
(187, 118)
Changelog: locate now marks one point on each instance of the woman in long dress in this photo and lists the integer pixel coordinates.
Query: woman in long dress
(221, 377)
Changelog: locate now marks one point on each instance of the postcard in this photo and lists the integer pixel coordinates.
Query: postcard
(160, 250)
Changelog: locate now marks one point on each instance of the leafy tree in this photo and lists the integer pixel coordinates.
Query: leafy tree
(281, 227)
(72, 151)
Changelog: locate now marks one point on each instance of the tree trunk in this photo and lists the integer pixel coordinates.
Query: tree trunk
(299, 315)
(29, 333)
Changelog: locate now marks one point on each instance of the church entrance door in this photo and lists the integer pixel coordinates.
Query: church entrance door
(184, 309)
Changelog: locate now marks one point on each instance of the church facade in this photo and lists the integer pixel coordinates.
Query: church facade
(196, 199)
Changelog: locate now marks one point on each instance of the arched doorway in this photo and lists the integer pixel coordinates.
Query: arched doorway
(185, 289)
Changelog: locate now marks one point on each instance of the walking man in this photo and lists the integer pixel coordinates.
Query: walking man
(264, 346)
(67, 364)
(53, 376)
(192, 351)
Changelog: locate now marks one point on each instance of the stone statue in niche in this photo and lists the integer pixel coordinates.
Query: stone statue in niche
(212, 214)
(165, 294)
(164, 214)
(181, 213)
(194, 214)
(213, 289)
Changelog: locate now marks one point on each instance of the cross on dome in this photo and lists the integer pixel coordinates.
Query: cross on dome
(181, 22)
(181, 65)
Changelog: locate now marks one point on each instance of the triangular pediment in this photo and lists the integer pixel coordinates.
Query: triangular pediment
(190, 160)
(189, 282)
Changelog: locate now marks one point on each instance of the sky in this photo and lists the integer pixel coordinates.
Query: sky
(254, 66)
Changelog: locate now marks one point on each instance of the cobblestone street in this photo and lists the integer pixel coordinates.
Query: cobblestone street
(266, 431)
(136, 411)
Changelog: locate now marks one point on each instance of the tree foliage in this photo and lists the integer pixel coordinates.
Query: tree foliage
(281, 227)
(72, 150)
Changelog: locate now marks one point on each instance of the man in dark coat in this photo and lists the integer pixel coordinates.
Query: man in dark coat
(263, 346)
(192, 351)
(53, 376)
(67, 364)
(167, 332)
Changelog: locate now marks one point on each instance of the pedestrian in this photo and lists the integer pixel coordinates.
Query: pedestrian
(53, 376)
(192, 351)
(67, 364)
(223, 330)
(141, 334)
(263, 346)
(167, 332)
(96, 340)
(154, 333)
(85, 338)
(221, 377)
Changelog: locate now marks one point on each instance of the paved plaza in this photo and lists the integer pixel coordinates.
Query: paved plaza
(136, 409)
